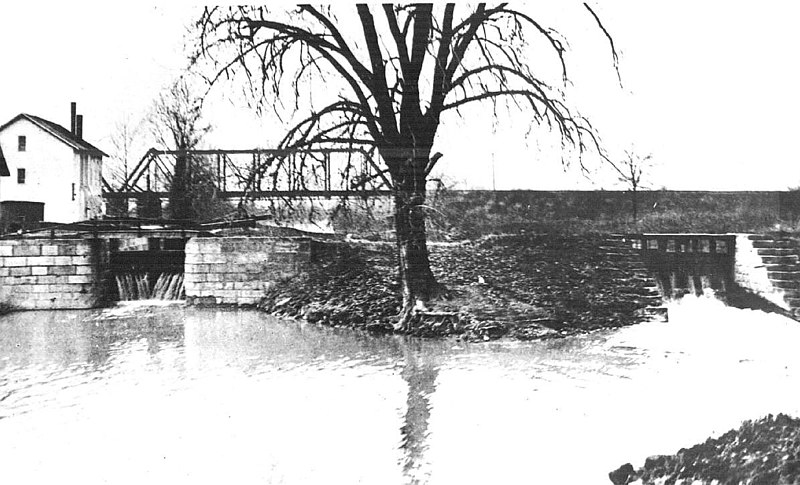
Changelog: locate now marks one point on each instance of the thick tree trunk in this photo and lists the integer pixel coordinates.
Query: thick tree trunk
(417, 282)
(149, 206)
(180, 204)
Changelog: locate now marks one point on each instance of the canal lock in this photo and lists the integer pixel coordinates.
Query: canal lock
(147, 269)
(726, 267)
(700, 265)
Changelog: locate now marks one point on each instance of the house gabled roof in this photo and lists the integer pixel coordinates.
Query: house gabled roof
(3, 165)
(59, 132)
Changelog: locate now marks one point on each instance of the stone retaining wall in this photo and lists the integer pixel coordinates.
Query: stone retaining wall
(751, 273)
(52, 273)
(624, 254)
(237, 270)
(769, 266)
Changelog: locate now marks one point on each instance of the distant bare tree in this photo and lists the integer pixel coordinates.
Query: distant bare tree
(630, 171)
(177, 124)
(422, 61)
(127, 146)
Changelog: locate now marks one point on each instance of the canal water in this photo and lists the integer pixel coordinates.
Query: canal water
(144, 393)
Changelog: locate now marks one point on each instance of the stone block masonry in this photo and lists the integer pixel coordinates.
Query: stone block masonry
(636, 282)
(769, 266)
(38, 274)
(237, 270)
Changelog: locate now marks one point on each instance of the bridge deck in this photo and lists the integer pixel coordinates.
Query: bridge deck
(120, 228)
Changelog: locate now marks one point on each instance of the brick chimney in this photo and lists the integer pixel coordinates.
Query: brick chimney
(79, 126)
(73, 112)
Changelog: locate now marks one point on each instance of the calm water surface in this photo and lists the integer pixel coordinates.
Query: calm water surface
(167, 394)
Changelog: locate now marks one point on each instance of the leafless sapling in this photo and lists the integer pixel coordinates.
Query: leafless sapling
(630, 171)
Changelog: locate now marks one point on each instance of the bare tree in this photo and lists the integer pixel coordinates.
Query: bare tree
(630, 171)
(127, 142)
(177, 124)
(422, 61)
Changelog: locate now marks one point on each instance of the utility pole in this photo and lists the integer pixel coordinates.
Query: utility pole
(494, 187)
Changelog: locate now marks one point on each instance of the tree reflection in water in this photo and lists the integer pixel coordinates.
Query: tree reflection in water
(420, 373)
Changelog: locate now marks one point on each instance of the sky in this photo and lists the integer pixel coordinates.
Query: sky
(708, 88)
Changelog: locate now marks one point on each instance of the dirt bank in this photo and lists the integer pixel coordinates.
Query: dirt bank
(525, 287)
(766, 452)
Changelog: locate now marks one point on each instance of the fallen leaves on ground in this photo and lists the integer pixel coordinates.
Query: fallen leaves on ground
(526, 287)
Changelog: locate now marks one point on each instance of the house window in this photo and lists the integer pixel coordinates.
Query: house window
(20, 175)
(73, 191)
(22, 143)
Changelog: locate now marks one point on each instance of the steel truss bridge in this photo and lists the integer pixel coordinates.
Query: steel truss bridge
(260, 173)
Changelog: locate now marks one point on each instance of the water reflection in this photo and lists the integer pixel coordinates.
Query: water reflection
(183, 395)
(420, 373)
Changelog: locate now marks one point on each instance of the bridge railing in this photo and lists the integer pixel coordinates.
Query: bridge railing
(723, 244)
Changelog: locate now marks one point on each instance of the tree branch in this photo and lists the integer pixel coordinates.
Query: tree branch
(610, 41)
(399, 38)
(378, 85)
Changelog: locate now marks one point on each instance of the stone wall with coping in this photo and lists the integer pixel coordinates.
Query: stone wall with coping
(38, 274)
(237, 270)
(751, 273)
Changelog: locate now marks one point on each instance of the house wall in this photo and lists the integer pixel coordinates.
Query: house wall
(51, 168)
(89, 196)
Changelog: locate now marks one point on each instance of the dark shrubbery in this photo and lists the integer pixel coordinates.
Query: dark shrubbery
(5, 308)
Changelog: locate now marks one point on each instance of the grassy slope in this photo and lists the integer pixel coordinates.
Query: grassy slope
(456, 215)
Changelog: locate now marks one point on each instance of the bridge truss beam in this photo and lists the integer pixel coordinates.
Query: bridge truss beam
(262, 173)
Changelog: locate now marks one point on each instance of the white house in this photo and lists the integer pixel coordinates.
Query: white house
(48, 164)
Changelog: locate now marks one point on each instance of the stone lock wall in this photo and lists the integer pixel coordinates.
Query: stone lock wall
(52, 273)
(751, 273)
(237, 270)
(769, 266)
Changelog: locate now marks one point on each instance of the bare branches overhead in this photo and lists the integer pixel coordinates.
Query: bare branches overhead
(176, 120)
(401, 66)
